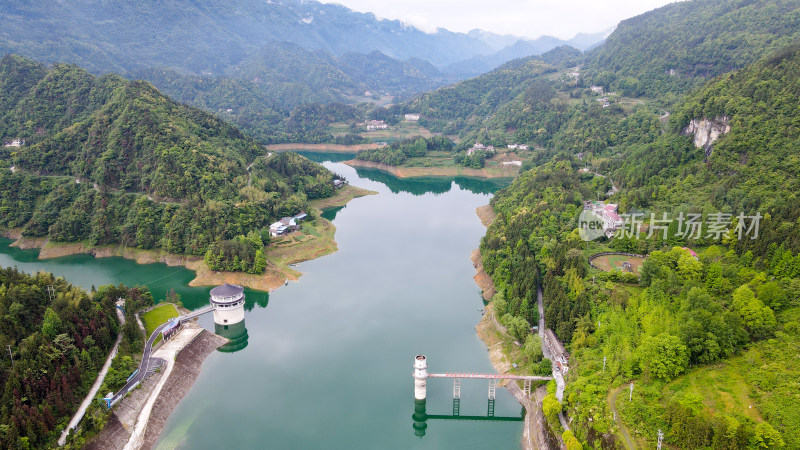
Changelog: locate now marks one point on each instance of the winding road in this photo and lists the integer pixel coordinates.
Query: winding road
(147, 364)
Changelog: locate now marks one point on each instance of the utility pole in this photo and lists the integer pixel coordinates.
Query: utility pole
(604, 363)
(660, 438)
(630, 396)
(10, 355)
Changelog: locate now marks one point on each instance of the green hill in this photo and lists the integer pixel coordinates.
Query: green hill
(648, 63)
(705, 339)
(114, 161)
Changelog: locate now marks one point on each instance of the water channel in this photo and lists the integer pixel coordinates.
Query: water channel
(326, 362)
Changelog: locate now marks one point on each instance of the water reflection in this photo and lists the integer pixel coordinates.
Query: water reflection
(236, 333)
(421, 416)
(324, 157)
(416, 185)
(330, 213)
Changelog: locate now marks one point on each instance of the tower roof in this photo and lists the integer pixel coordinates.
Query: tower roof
(227, 290)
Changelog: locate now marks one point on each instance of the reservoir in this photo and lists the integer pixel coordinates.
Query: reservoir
(326, 362)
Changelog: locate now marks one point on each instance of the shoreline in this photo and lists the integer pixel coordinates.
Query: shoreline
(444, 172)
(291, 249)
(322, 148)
(139, 419)
(488, 332)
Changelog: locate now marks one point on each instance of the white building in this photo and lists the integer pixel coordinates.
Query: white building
(608, 213)
(277, 229)
(376, 125)
(228, 303)
(412, 117)
(14, 143)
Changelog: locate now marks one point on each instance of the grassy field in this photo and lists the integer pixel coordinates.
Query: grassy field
(158, 315)
(611, 262)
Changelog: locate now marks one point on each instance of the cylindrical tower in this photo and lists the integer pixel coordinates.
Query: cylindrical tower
(228, 302)
(420, 377)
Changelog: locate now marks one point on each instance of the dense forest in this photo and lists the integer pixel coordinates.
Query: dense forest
(59, 338)
(110, 161)
(684, 317)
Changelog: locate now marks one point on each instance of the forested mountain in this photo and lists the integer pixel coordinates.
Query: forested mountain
(726, 315)
(698, 39)
(681, 45)
(144, 170)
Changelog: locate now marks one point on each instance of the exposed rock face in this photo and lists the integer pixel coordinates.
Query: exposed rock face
(707, 131)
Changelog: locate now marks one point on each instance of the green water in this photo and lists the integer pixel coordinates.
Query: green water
(327, 363)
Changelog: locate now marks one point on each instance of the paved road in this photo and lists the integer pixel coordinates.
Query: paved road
(147, 363)
(560, 385)
(95, 387)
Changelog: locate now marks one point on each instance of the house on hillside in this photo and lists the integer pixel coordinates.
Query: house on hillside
(608, 213)
(376, 125)
(412, 117)
(14, 143)
(277, 229)
(337, 183)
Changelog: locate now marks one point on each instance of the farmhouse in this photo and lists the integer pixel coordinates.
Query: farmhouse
(376, 125)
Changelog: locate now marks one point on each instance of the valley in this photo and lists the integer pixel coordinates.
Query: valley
(635, 240)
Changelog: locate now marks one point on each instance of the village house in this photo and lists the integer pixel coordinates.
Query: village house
(376, 125)
(608, 214)
(286, 224)
(14, 143)
(412, 117)
(277, 229)
(479, 146)
(337, 183)
(518, 146)
(597, 89)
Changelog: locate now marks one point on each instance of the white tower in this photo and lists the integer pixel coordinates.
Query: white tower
(420, 377)
(228, 303)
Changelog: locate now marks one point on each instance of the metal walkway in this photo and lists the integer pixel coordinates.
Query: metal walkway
(488, 376)
(196, 313)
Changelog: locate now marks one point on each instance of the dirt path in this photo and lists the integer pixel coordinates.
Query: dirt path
(612, 402)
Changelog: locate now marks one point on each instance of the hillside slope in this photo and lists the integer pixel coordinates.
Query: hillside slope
(114, 161)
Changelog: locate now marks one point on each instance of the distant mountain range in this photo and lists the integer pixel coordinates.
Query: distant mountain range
(518, 48)
(214, 36)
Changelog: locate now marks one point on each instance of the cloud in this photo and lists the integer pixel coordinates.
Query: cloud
(529, 18)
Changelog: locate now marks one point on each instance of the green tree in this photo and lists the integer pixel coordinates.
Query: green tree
(51, 325)
(663, 356)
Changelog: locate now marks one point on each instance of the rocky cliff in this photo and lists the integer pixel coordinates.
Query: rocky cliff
(707, 131)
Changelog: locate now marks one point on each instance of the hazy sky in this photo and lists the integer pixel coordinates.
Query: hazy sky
(530, 18)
